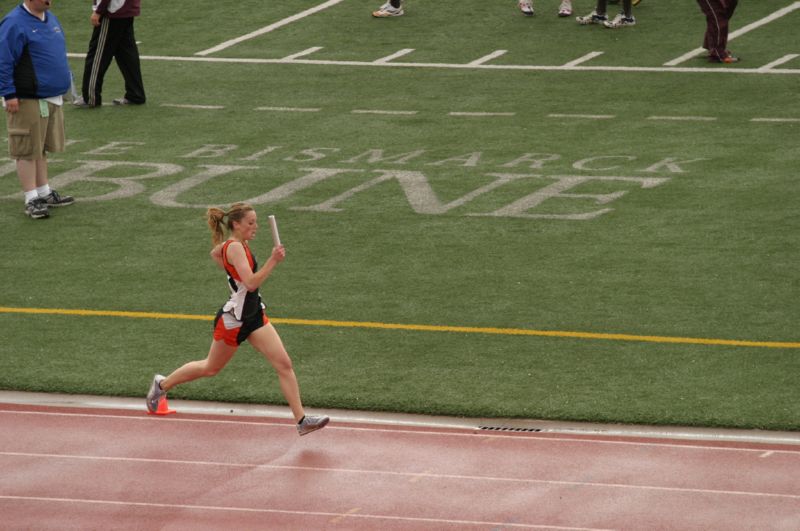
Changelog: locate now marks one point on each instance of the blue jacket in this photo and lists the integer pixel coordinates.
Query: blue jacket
(33, 56)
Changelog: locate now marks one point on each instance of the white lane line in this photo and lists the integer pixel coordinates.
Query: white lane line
(350, 514)
(191, 106)
(741, 31)
(777, 62)
(455, 113)
(462, 66)
(271, 27)
(378, 111)
(589, 56)
(395, 55)
(465, 431)
(289, 109)
(786, 120)
(338, 519)
(684, 118)
(486, 58)
(303, 53)
(583, 116)
(408, 475)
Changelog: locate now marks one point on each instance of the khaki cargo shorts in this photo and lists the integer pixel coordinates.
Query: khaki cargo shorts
(30, 134)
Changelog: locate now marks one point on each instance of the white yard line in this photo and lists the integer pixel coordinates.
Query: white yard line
(307, 51)
(191, 106)
(583, 116)
(467, 66)
(683, 118)
(741, 31)
(777, 62)
(395, 55)
(289, 109)
(271, 27)
(480, 114)
(378, 111)
(777, 120)
(589, 56)
(486, 58)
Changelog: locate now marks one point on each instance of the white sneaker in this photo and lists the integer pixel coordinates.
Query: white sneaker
(620, 21)
(565, 9)
(309, 424)
(526, 6)
(387, 10)
(592, 18)
(80, 102)
(155, 393)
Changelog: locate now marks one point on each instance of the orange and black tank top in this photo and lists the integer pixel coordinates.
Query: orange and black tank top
(243, 304)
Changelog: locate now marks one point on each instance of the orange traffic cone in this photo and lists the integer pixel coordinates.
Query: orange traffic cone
(163, 408)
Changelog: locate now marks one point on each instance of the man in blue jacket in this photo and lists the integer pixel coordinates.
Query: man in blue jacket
(34, 76)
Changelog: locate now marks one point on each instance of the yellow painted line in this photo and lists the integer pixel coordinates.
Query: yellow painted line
(424, 328)
(105, 313)
(544, 333)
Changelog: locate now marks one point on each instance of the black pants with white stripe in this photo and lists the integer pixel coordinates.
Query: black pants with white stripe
(113, 39)
(718, 14)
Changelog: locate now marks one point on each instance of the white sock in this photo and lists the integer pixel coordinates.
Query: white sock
(30, 196)
(43, 191)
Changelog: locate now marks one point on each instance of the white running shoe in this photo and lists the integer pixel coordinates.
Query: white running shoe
(155, 393)
(620, 21)
(526, 6)
(387, 10)
(565, 9)
(309, 424)
(80, 102)
(592, 18)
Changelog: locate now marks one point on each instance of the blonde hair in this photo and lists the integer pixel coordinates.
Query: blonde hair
(216, 220)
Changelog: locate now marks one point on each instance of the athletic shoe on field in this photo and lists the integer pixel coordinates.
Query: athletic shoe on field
(124, 101)
(155, 393)
(592, 18)
(37, 208)
(565, 9)
(82, 104)
(387, 10)
(526, 6)
(309, 424)
(727, 59)
(54, 199)
(620, 21)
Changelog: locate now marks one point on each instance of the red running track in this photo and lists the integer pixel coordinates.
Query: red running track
(79, 468)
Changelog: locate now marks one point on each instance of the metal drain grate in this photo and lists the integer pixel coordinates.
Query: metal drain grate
(508, 428)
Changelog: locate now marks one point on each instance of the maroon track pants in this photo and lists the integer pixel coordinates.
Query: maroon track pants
(718, 13)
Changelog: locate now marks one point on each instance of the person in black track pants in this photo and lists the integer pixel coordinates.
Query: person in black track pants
(112, 38)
